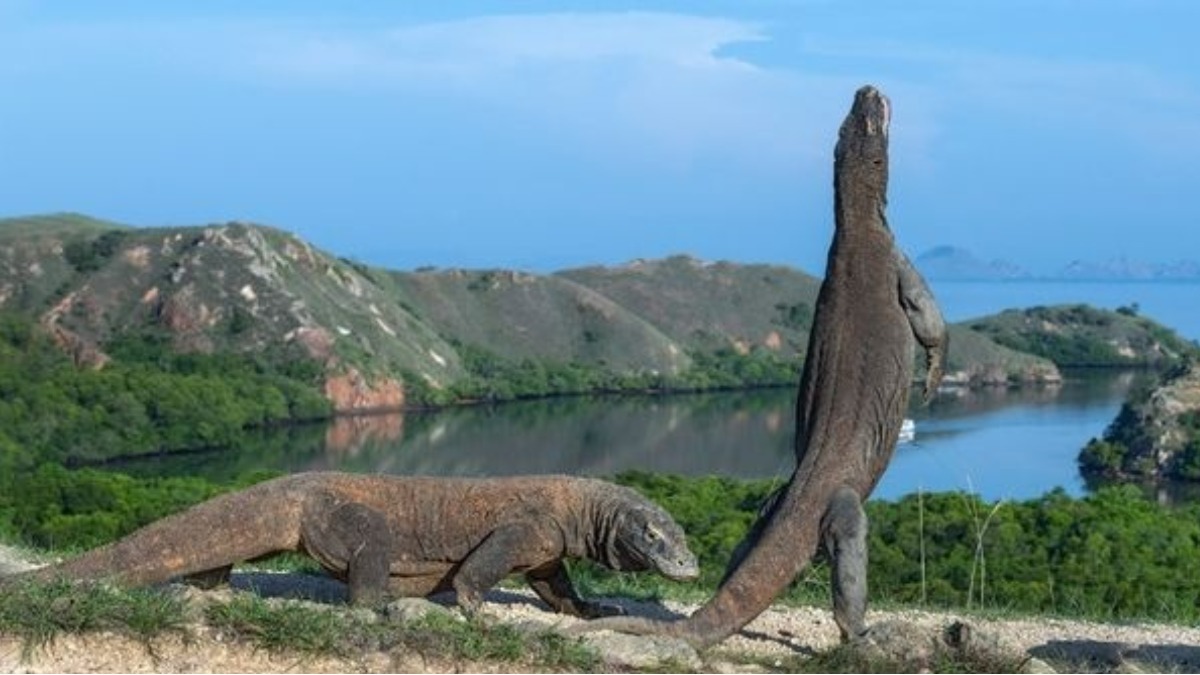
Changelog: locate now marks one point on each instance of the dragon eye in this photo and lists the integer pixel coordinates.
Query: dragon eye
(652, 533)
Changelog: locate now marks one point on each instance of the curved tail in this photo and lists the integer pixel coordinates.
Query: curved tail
(214, 534)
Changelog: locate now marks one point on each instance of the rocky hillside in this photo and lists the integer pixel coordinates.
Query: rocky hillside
(225, 287)
(1156, 434)
(380, 333)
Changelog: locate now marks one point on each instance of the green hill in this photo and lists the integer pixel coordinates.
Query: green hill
(231, 287)
(36, 254)
(1080, 335)
(712, 306)
(54, 225)
(729, 306)
(975, 360)
(388, 338)
(520, 316)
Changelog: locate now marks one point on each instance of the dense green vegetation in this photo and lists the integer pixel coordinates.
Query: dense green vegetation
(493, 378)
(147, 400)
(89, 255)
(1084, 336)
(1112, 555)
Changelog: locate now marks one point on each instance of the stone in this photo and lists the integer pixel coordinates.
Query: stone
(404, 610)
(619, 651)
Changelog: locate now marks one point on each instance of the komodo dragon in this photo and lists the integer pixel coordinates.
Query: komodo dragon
(853, 395)
(406, 536)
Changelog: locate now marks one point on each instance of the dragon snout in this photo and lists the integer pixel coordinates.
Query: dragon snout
(681, 566)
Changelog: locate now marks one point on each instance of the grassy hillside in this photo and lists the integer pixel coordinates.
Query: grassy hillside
(386, 337)
(712, 306)
(973, 359)
(231, 287)
(36, 254)
(54, 225)
(548, 318)
(1080, 335)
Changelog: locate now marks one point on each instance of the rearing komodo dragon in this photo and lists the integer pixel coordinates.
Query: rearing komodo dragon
(872, 308)
(406, 536)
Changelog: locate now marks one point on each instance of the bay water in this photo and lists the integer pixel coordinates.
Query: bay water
(998, 443)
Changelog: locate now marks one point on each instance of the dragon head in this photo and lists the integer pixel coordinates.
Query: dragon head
(861, 155)
(647, 538)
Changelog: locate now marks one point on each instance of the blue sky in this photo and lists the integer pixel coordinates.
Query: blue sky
(544, 135)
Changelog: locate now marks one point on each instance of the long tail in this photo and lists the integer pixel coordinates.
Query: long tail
(786, 546)
(214, 534)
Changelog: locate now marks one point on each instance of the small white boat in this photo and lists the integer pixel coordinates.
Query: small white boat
(908, 431)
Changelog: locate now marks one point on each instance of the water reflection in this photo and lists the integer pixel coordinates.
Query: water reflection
(745, 436)
(1000, 443)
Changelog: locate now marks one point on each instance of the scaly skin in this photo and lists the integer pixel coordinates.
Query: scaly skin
(387, 535)
(872, 310)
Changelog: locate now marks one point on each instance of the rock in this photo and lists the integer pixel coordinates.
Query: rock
(352, 392)
(919, 646)
(404, 610)
(902, 642)
(1036, 666)
(619, 651)
(980, 643)
(12, 561)
(731, 667)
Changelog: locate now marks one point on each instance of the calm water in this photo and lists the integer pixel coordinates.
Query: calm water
(1001, 444)
(998, 443)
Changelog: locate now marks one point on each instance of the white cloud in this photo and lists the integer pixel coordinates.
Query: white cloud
(634, 87)
(465, 51)
(1136, 102)
(613, 81)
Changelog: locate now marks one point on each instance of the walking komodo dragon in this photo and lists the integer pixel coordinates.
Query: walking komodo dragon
(872, 309)
(388, 535)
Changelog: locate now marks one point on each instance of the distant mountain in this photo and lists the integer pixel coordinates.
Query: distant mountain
(950, 263)
(1124, 269)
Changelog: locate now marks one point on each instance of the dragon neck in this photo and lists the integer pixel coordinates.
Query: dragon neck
(599, 528)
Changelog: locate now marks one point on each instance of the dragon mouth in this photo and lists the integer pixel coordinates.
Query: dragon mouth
(878, 111)
(680, 570)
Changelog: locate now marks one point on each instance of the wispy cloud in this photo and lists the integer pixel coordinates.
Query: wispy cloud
(616, 82)
(1133, 101)
(494, 43)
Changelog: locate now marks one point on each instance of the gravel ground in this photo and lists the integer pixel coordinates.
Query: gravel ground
(779, 632)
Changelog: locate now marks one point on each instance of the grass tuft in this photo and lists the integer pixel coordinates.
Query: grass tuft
(283, 626)
(319, 631)
(39, 612)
